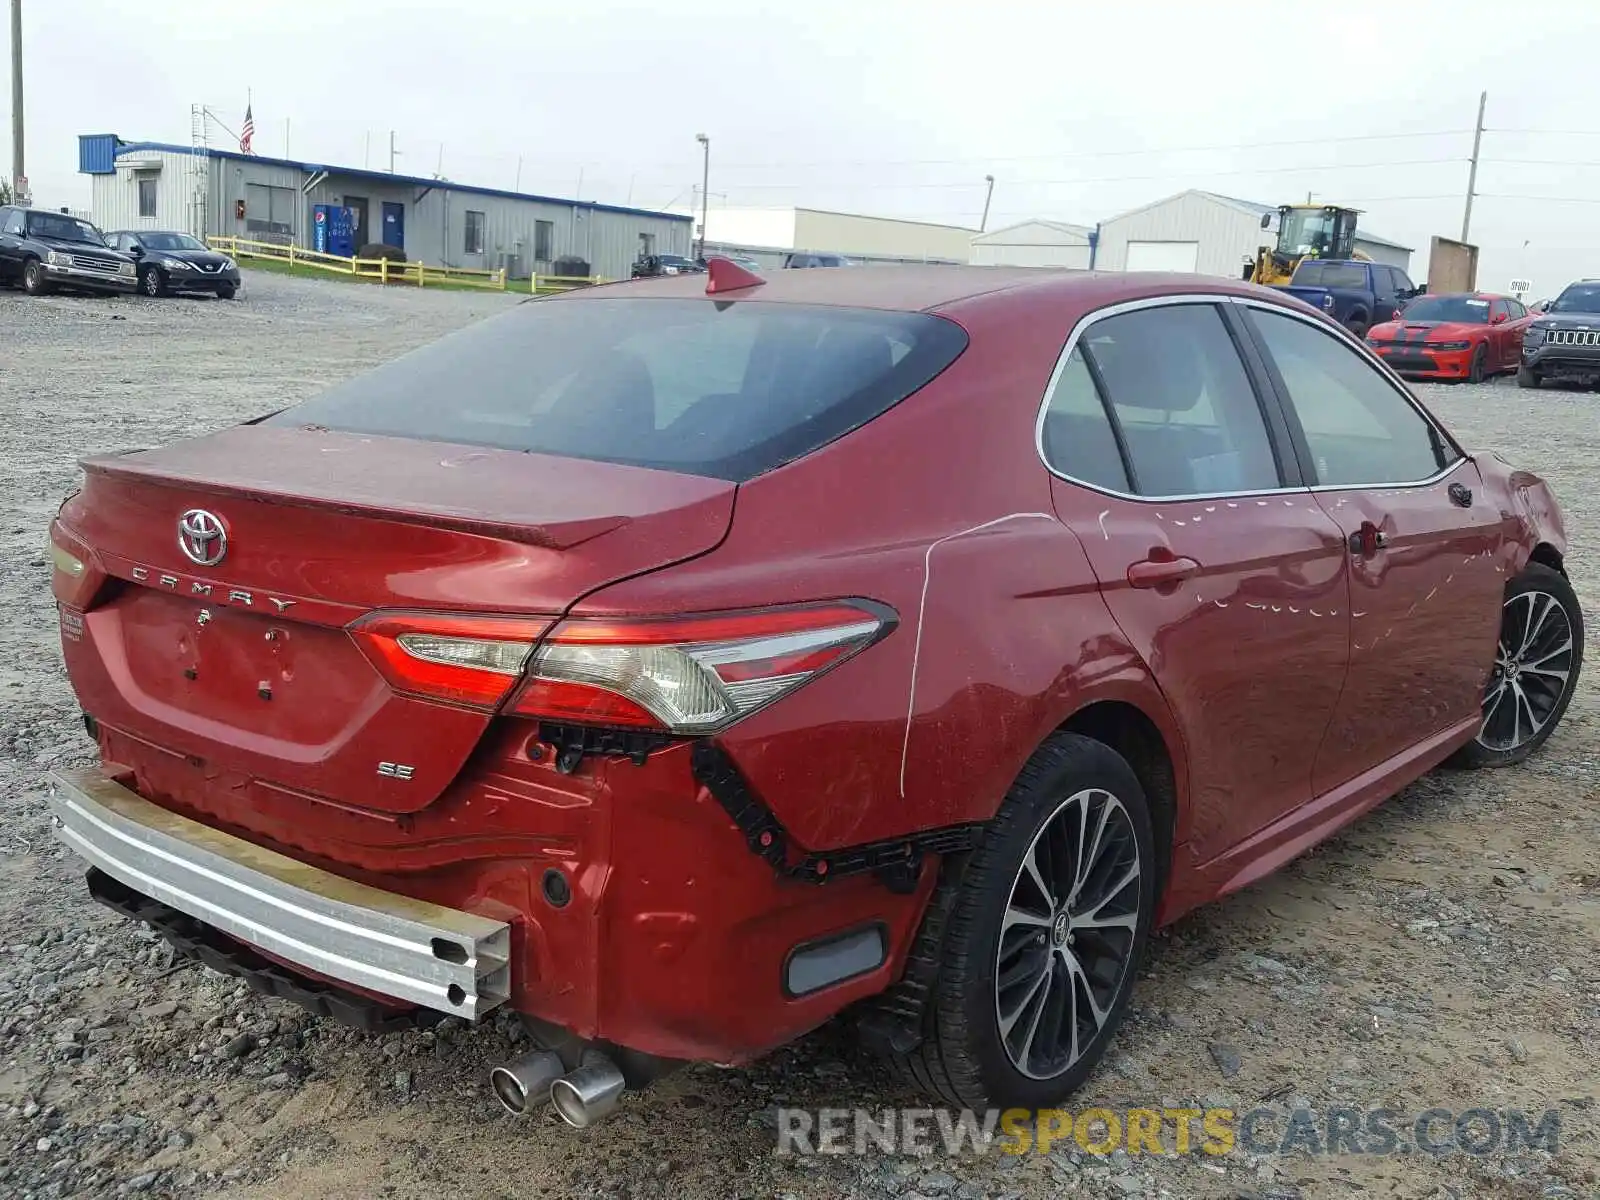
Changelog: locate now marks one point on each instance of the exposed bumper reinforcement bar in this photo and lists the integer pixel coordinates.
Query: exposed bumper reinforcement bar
(450, 961)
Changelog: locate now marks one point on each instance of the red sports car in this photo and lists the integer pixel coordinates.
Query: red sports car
(681, 662)
(1466, 335)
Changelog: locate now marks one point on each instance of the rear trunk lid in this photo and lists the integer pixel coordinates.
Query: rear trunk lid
(238, 657)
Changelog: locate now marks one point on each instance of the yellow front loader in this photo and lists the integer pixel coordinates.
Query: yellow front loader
(1304, 231)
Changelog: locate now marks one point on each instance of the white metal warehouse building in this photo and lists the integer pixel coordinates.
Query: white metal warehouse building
(156, 185)
(769, 234)
(1036, 243)
(1207, 233)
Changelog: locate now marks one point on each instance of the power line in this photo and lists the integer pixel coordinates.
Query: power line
(1016, 183)
(1540, 162)
(1542, 199)
(938, 162)
(1548, 132)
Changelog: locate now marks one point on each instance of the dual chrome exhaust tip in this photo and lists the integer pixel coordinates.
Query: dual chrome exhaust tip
(581, 1097)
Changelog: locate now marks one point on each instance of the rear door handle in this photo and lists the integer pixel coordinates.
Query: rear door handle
(1161, 572)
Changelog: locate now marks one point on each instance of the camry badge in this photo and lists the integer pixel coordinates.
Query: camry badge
(202, 538)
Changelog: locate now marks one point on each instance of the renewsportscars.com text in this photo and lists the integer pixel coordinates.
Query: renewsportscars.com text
(1264, 1130)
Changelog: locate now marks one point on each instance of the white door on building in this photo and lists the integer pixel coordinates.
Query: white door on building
(1162, 256)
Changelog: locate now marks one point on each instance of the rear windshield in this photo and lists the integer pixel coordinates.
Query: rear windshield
(1330, 275)
(727, 390)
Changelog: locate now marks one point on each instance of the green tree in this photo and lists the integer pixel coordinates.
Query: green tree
(5, 191)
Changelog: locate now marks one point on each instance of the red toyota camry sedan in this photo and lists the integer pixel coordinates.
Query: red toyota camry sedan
(1460, 336)
(681, 662)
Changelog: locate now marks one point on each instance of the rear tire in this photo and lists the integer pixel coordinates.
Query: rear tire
(1480, 357)
(1045, 935)
(33, 280)
(1527, 378)
(1537, 662)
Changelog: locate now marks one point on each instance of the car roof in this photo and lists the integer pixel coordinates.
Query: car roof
(917, 288)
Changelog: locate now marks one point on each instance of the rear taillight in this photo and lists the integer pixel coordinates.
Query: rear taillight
(690, 675)
(458, 658)
(75, 575)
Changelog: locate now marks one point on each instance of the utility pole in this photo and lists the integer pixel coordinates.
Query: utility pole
(19, 168)
(987, 196)
(705, 189)
(1472, 172)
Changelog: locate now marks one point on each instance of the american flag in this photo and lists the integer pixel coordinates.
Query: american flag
(248, 133)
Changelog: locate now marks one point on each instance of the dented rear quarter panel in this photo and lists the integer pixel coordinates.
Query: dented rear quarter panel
(1002, 633)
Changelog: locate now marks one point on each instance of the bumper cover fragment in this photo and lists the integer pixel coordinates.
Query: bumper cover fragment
(441, 958)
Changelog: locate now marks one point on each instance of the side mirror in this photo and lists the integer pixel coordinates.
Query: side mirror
(1266, 220)
(1498, 319)
(136, 250)
(1422, 290)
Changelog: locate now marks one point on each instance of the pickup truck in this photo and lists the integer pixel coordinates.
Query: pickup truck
(43, 250)
(1356, 294)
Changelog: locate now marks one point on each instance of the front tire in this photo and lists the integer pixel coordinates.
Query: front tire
(1536, 666)
(151, 283)
(1045, 936)
(1480, 358)
(226, 291)
(1527, 378)
(33, 280)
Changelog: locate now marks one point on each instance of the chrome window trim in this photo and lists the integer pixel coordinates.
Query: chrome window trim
(1089, 319)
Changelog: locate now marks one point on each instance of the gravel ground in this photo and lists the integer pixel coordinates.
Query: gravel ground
(1442, 952)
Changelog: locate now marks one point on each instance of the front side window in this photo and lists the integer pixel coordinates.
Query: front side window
(1360, 430)
(1076, 437)
(1188, 416)
(473, 243)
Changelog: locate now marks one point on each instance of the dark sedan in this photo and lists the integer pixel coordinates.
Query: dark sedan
(177, 262)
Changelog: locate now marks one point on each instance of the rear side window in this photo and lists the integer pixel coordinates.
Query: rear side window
(1187, 413)
(705, 388)
(1077, 437)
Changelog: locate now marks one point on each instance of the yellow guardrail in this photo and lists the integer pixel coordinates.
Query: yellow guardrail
(378, 270)
(544, 284)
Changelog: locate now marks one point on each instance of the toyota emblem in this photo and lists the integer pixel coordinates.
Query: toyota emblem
(201, 537)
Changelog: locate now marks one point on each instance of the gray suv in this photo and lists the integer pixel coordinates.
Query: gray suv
(47, 250)
(1563, 345)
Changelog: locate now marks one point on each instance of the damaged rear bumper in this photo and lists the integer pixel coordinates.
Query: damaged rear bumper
(441, 958)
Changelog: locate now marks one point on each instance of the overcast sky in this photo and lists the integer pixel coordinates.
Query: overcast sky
(891, 107)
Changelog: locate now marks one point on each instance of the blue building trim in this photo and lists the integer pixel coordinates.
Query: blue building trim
(88, 163)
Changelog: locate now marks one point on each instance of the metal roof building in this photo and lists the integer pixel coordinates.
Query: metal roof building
(1208, 233)
(1036, 243)
(769, 234)
(157, 185)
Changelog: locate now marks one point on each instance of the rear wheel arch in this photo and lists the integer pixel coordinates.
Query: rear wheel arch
(1133, 734)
